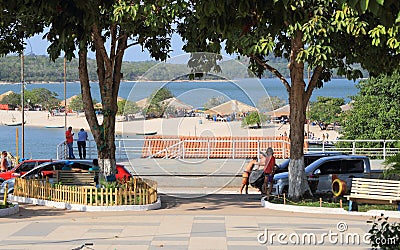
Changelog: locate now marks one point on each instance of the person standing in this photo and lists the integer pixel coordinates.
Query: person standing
(269, 169)
(246, 175)
(82, 138)
(4, 162)
(69, 139)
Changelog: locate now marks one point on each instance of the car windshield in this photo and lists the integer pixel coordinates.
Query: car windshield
(308, 159)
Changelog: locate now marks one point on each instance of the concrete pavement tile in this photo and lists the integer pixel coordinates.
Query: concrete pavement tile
(9, 229)
(164, 243)
(208, 221)
(205, 243)
(208, 230)
(168, 247)
(252, 242)
(247, 247)
(241, 226)
(36, 229)
(141, 232)
(176, 226)
(170, 238)
(105, 230)
(209, 218)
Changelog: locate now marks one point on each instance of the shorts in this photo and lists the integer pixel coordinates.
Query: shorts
(270, 177)
(245, 180)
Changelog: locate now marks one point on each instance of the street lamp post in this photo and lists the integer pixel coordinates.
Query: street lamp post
(22, 108)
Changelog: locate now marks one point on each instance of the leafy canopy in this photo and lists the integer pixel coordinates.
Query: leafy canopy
(155, 106)
(334, 36)
(326, 109)
(254, 118)
(126, 107)
(269, 103)
(76, 103)
(376, 110)
(36, 97)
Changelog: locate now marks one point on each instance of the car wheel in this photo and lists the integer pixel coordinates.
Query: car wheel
(1, 181)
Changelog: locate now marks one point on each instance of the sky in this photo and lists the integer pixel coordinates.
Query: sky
(36, 45)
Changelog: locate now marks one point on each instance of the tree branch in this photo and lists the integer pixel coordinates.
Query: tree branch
(99, 46)
(273, 71)
(313, 83)
(85, 90)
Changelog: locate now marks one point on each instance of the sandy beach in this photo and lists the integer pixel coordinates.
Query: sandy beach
(184, 126)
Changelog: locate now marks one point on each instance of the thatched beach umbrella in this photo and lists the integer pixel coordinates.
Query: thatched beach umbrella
(6, 94)
(285, 110)
(232, 106)
(177, 104)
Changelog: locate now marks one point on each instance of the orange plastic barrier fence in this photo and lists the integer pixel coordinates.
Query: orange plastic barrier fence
(217, 147)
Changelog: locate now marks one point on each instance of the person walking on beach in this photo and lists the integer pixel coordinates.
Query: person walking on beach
(69, 139)
(269, 168)
(246, 175)
(4, 162)
(82, 138)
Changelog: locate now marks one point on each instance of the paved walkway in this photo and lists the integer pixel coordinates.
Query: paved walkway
(218, 221)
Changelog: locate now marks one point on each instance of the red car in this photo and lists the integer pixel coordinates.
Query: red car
(122, 173)
(21, 169)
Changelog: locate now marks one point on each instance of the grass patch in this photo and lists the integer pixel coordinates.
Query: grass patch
(332, 202)
(7, 205)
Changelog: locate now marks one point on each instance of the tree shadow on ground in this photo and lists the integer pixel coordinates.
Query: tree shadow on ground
(211, 201)
(35, 211)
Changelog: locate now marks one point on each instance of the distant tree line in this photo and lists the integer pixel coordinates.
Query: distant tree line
(39, 68)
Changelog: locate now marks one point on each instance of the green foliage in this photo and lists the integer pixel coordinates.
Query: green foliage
(127, 107)
(156, 107)
(76, 103)
(326, 109)
(41, 97)
(12, 99)
(36, 97)
(392, 167)
(376, 110)
(334, 36)
(269, 103)
(41, 69)
(214, 101)
(385, 10)
(254, 118)
(384, 235)
(17, 22)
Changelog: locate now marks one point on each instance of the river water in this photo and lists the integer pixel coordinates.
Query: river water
(42, 142)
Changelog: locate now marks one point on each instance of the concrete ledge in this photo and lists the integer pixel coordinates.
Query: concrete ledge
(9, 211)
(85, 208)
(327, 210)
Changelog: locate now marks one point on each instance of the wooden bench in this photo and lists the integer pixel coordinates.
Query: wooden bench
(78, 178)
(373, 191)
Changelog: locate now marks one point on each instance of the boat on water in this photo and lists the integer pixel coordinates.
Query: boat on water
(14, 124)
(54, 126)
(147, 133)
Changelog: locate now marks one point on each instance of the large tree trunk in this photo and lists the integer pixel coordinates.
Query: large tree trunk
(298, 184)
(109, 75)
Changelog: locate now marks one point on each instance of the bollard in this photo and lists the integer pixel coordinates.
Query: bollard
(284, 199)
(341, 204)
(320, 202)
(5, 194)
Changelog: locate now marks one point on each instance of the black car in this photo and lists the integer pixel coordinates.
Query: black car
(308, 159)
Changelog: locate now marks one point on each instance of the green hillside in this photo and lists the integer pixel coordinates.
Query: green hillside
(41, 69)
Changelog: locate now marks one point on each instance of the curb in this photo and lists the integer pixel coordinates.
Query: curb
(9, 211)
(85, 208)
(327, 210)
